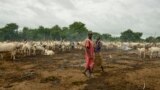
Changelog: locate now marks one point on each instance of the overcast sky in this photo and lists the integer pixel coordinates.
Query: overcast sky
(104, 16)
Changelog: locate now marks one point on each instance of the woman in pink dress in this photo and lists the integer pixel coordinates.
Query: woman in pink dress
(89, 54)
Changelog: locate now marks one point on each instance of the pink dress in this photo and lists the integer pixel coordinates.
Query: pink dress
(89, 61)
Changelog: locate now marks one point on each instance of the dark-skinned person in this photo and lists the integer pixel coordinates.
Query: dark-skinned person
(98, 57)
(89, 55)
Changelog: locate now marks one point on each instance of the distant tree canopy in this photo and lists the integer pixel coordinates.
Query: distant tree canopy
(129, 35)
(150, 39)
(9, 32)
(158, 39)
(74, 32)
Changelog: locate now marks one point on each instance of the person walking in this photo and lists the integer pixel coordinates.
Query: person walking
(89, 54)
(97, 50)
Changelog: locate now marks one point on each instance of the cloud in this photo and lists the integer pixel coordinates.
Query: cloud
(104, 16)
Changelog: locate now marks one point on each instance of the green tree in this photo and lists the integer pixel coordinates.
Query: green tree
(106, 37)
(150, 39)
(158, 39)
(56, 32)
(78, 31)
(129, 35)
(96, 35)
(65, 33)
(10, 31)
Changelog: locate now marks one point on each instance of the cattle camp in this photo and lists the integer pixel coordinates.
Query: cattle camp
(79, 45)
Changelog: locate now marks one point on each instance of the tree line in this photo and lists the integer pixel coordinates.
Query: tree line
(74, 32)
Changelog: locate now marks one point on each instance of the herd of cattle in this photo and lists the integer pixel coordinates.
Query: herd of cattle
(28, 48)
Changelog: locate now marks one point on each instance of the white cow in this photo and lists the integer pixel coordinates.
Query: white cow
(48, 52)
(142, 51)
(10, 48)
(154, 50)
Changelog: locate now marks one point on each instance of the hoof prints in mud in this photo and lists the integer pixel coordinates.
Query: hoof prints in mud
(8, 85)
(19, 78)
(28, 76)
(64, 71)
(1, 73)
(22, 77)
(51, 79)
(78, 83)
(127, 86)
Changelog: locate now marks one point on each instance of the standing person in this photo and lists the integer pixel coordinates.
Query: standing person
(89, 54)
(97, 49)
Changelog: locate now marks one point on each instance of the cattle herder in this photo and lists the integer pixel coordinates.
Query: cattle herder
(97, 50)
(89, 54)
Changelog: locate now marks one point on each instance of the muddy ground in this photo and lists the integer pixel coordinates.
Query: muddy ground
(63, 71)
